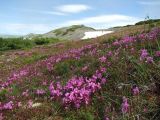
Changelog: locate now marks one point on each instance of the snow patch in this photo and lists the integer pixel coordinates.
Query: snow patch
(94, 34)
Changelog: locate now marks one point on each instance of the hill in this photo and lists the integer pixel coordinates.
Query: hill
(74, 32)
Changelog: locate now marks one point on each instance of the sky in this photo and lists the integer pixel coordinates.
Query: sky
(20, 17)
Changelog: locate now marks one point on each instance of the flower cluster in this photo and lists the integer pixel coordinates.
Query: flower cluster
(129, 40)
(31, 71)
(40, 92)
(7, 106)
(145, 56)
(78, 90)
(125, 105)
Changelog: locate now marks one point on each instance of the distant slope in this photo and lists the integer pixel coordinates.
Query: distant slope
(74, 32)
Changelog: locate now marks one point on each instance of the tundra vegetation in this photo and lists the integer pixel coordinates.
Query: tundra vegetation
(115, 77)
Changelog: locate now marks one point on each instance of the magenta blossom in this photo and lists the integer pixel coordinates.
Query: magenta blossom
(84, 68)
(135, 91)
(40, 92)
(125, 105)
(149, 59)
(8, 106)
(1, 116)
(30, 103)
(102, 59)
(144, 54)
(157, 53)
(25, 93)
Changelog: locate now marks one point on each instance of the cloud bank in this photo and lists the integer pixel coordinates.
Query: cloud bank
(72, 8)
(98, 22)
(105, 21)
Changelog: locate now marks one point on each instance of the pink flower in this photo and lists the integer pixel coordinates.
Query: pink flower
(1, 107)
(125, 105)
(25, 93)
(149, 60)
(132, 50)
(1, 116)
(145, 109)
(55, 91)
(44, 83)
(19, 104)
(135, 91)
(106, 118)
(144, 54)
(84, 68)
(157, 54)
(102, 59)
(8, 106)
(30, 103)
(40, 92)
(110, 53)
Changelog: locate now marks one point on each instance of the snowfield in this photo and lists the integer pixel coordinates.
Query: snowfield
(94, 34)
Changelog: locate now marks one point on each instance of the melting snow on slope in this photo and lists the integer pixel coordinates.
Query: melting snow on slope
(94, 34)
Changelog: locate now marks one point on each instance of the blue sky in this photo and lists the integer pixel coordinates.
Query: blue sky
(39, 16)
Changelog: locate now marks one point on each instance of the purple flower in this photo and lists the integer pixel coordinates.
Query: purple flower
(19, 104)
(84, 68)
(135, 91)
(25, 93)
(30, 103)
(149, 60)
(125, 105)
(144, 54)
(8, 106)
(55, 91)
(1, 116)
(157, 53)
(40, 92)
(106, 118)
(102, 59)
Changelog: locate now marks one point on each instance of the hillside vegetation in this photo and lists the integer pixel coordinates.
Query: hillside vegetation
(20, 43)
(112, 77)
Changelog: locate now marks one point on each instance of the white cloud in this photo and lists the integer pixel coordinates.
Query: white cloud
(53, 13)
(22, 29)
(149, 2)
(45, 12)
(99, 22)
(72, 8)
(104, 21)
